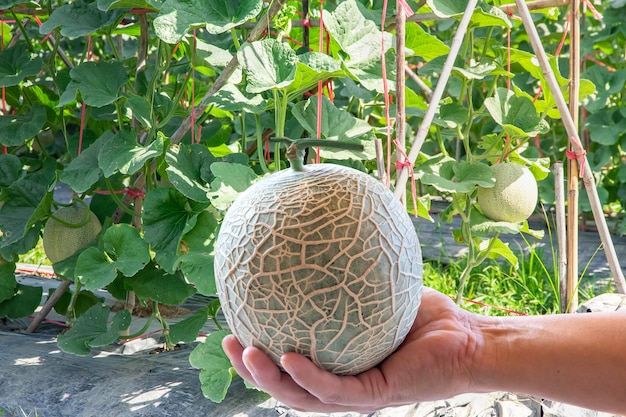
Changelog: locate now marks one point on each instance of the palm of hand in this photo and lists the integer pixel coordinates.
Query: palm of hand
(432, 362)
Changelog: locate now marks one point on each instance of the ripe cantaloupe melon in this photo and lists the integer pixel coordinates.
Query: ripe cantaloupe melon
(324, 262)
(61, 241)
(514, 196)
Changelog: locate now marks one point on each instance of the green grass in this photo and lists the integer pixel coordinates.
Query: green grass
(531, 288)
(35, 256)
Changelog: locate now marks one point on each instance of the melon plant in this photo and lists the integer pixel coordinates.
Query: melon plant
(513, 198)
(321, 260)
(68, 230)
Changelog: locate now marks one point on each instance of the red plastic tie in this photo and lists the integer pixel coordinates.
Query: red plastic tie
(306, 22)
(406, 8)
(580, 157)
(402, 163)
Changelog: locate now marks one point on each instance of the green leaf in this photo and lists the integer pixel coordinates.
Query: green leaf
(140, 109)
(15, 129)
(177, 17)
(166, 217)
(424, 44)
(216, 372)
(187, 330)
(475, 72)
(516, 114)
(268, 64)
(23, 303)
(121, 153)
(17, 64)
(84, 170)
(155, 284)
(98, 82)
(484, 14)
(84, 301)
(106, 5)
(498, 249)
(124, 251)
(196, 260)
(460, 177)
(230, 180)
(311, 68)
(337, 125)
(480, 224)
(605, 127)
(229, 98)
(92, 330)
(8, 284)
(25, 201)
(362, 40)
(10, 169)
(189, 170)
(79, 18)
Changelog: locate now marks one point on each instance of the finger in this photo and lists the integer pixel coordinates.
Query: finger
(354, 393)
(234, 351)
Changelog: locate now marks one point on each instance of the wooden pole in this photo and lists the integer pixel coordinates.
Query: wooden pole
(573, 171)
(570, 127)
(400, 84)
(561, 233)
(433, 106)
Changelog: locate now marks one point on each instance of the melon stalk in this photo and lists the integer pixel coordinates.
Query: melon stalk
(322, 260)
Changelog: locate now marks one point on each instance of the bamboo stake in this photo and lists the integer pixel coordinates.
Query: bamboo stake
(570, 127)
(573, 171)
(400, 84)
(561, 233)
(433, 106)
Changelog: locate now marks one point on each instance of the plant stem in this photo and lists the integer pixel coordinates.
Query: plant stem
(70, 308)
(168, 345)
(233, 34)
(259, 143)
(116, 199)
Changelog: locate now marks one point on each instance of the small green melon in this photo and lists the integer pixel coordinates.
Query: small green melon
(61, 241)
(514, 196)
(324, 262)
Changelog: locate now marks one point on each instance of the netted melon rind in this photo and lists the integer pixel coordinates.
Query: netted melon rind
(325, 263)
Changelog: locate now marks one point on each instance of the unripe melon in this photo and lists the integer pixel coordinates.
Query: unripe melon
(514, 196)
(324, 262)
(61, 241)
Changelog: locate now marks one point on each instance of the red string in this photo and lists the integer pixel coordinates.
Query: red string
(406, 8)
(593, 10)
(580, 158)
(402, 163)
(480, 303)
(128, 191)
(320, 86)
(193, 91)
(3, 91)
(386, 94)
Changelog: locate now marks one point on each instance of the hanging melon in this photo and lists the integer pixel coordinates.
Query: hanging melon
(321, 260)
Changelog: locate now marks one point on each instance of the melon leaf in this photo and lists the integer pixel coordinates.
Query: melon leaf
(155, 284)
(23, 303)
(124, 251)
(79, 19)
(16, 64)
(338, 125)
(91, 329)
(216, 372)
(121, 153)
(188, 170)
(15, 129)
(8, 283)
(230, 180)
(268, 64)
(187, 330)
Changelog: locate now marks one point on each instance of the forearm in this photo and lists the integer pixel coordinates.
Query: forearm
(579, 359)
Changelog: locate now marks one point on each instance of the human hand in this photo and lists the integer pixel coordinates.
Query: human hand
(433, 362)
